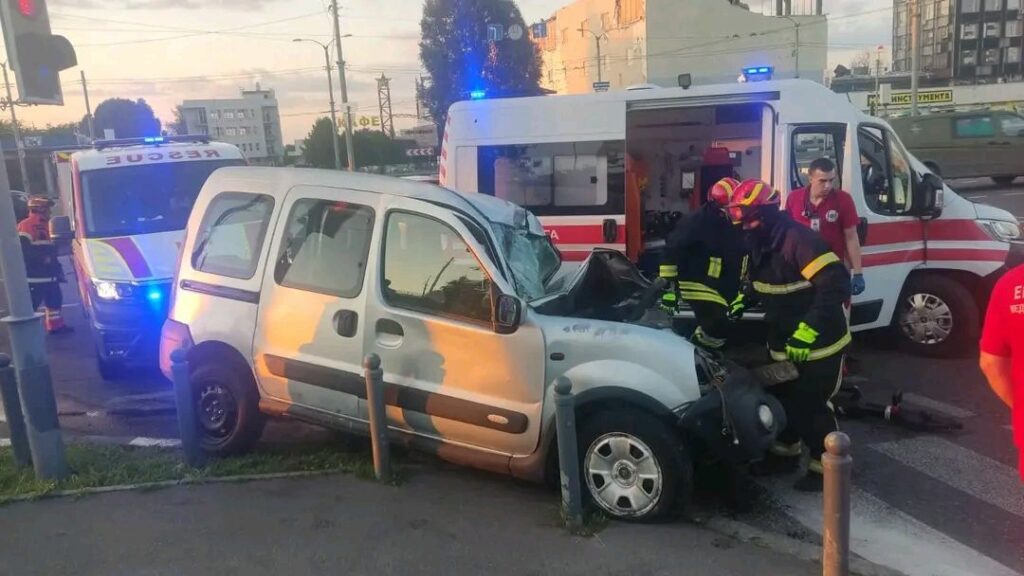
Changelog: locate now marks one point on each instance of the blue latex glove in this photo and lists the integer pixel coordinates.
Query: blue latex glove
(857, 285)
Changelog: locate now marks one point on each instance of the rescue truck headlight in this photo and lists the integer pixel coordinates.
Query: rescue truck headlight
(1001, 230)
(112, 290)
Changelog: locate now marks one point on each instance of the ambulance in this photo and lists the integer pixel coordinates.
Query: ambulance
(125, 214)
(618, 169)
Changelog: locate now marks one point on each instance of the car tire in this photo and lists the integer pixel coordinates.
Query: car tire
(109, 369)
(616, 449)
(227, 408)
(936, 317)
(1004, 180)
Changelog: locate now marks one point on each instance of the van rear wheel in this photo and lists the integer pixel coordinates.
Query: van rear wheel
(1004, 180)
(937, 317)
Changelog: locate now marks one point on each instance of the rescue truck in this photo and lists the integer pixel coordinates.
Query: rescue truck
(618, 169)
(127, 207)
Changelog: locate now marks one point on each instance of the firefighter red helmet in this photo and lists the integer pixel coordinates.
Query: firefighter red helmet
(721, 193)
(749, 199)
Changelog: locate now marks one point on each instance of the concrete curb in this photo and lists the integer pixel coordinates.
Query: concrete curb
(791, 546)
(167, 484)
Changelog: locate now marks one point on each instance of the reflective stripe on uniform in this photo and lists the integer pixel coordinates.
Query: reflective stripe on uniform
(820, 353)
(777, 289)
(714, 267)
(668, 271)
(814, 466)
(787, 450)
(818, 263)
(702, 338)
(704, 297)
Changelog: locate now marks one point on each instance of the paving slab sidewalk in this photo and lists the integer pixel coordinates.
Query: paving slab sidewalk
(438, 522)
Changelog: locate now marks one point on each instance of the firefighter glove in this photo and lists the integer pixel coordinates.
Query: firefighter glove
(857, 284)
(798, 347)
(737, 307)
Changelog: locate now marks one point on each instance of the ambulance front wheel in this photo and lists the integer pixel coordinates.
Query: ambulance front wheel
(937, 317)
(109, 369)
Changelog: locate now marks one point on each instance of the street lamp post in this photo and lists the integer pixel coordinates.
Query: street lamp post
(597, 39)
(796, 52)
(330, 91)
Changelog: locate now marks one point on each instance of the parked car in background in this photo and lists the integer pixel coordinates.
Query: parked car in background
(967, 144)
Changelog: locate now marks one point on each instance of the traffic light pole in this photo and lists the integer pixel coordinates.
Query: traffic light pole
(17, 136)
(28, 348)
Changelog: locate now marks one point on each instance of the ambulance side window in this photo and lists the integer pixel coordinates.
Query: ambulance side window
(551, 179)
(885, 171)
(811, 143)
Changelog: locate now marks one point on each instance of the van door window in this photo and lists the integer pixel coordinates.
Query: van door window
(974, 127)
(811, 143)
(231, 235)
(1012, 125)
(885, 171)
(570, 178)
(429, 268)
(325, 248)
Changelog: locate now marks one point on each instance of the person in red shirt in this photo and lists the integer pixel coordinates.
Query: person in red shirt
(830, 212)
(1002, 348)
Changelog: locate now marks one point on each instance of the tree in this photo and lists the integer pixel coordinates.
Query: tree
(459, 58)
(178, 126)
(862, 60)
(319, 151)
(127, 118)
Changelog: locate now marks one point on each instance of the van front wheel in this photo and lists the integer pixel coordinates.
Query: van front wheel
(227, 408)
(937, 317)
(1004, 180)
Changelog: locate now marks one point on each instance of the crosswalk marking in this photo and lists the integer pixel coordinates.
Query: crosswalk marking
(936, 406)
(884, 535)
(958, 466)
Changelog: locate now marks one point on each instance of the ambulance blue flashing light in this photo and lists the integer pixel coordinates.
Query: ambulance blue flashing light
(477, 94)
(154, 140)
(758, 73)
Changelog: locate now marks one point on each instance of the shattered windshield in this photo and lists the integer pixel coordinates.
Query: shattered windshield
(530, 254)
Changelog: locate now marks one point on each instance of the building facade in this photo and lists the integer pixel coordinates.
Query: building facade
(252, 122)
(963, 41)
(654, 41)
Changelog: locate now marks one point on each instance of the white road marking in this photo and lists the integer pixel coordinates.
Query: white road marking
(936, 406)
(1013, 194)
(976, 196)
(961, 468)
(155, 442)
(885, 535)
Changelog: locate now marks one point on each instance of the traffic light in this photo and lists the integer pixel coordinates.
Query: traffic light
(35, 55)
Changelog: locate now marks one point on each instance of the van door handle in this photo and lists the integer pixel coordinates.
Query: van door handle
(346, 323)
(611, 231)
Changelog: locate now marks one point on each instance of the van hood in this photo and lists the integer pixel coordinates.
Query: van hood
(143, 258)
(986, 212)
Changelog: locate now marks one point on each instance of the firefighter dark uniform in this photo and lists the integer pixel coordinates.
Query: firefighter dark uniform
(705, 259)
(41, 264)
(802, 285)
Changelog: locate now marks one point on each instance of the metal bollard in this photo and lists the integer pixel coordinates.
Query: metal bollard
(837, 465)
(378, 417)
(184, 399)
(12, 408)
(568, 454)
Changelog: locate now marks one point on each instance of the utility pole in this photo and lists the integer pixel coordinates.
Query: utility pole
(18, 143)
(344, 88)
(878, 71)
(796, 51)
(88, 108)
(597, 40)
(330, 92)
(28, 349)
(915, 52)
(387, 121)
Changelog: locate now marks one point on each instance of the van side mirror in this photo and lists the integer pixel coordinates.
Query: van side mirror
(508, 314)
(60, 229)
(928, 196)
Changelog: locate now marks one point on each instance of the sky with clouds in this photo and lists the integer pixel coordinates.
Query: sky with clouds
(164, 51)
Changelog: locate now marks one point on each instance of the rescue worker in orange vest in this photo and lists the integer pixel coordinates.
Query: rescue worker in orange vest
(41, 264)
(705, 253)
(802, 285)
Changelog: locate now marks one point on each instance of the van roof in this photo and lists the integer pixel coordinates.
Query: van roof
(140, 154)
(281, 180)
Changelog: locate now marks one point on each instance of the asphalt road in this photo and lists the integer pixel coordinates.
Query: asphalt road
(923, 503)
(984, 191)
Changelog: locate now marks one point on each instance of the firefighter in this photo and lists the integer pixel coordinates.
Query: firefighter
(705, 254)
(802, 285)
(41, 265)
